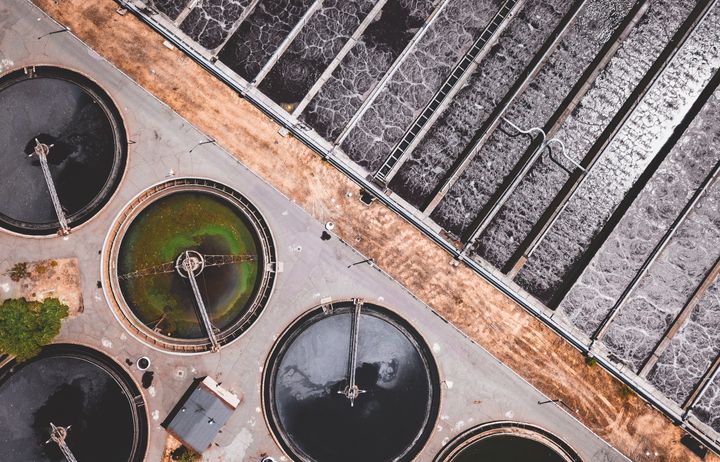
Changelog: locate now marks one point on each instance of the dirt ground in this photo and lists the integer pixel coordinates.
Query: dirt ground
(171, 444)
(458, 294)
(58, 278)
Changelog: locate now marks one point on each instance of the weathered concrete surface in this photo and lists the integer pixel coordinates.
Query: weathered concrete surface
(59, 278)
(459, 295)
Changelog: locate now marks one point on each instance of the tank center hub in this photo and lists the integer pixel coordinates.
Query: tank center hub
(41, 149)
(188, 262)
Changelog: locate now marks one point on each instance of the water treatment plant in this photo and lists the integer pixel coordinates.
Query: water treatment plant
(362, 231)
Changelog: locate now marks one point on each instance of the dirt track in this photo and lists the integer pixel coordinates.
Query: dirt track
(458, 294)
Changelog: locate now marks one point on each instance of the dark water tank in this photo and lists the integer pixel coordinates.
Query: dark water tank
(306, 387)
(88, 148)
(76, 388)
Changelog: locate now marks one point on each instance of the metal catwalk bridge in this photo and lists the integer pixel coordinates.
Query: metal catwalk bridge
(453, 79)
(169, 267)
(352, 391)
(42, 151)
(189, 265)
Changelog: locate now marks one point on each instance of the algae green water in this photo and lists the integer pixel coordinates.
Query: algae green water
(178, 222)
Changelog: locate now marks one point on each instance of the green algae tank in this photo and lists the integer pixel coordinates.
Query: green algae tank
(189, 220)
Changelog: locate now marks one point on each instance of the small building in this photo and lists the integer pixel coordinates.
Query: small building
(200, 414)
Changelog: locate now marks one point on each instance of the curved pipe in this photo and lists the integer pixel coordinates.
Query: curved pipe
(564, 153)
(545, 143)
(527, 132)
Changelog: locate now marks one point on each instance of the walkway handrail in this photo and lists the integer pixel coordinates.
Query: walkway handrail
(41, 151)
(204, 317)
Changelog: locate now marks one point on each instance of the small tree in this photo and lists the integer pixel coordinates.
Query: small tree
(183, 454)
(26, 326)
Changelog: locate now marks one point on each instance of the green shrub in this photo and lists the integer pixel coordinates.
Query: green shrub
(26, 326)
(19, 271)
(183, 454)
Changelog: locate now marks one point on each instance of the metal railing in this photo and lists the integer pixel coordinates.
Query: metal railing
(41, 152)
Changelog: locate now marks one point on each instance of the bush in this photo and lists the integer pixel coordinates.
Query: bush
(183, 454)
(26, 326)
(626, 391)
(19, 271)
(590, 361)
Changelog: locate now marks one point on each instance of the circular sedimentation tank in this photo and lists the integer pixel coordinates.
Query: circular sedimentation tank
(229, 250)
(323, 405)
(87, 148)
(80, 390)
(507, 442)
